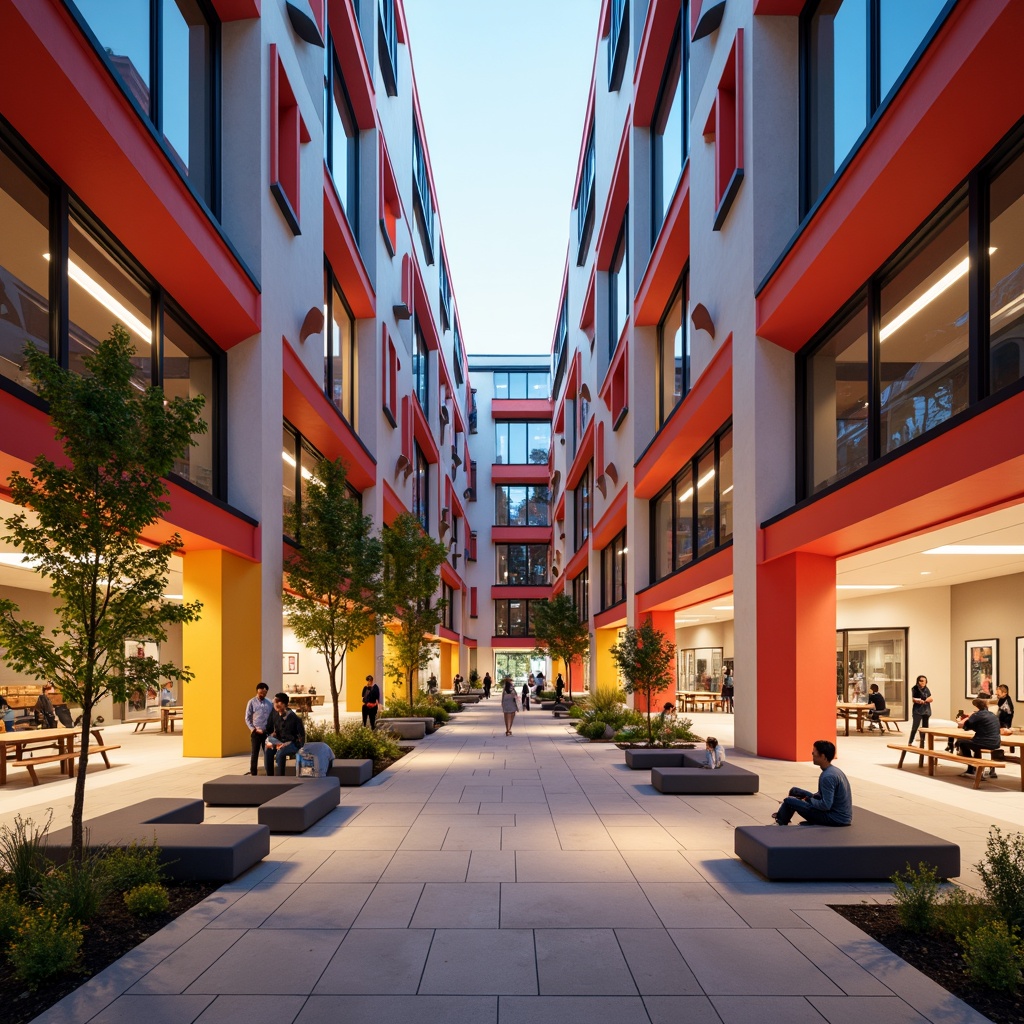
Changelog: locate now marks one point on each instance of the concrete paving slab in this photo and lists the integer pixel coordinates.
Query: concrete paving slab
(598, 966)
(321, 905)
(390, 905)
(576, 905)
(481, 962)
(359, 964)
(458, 905)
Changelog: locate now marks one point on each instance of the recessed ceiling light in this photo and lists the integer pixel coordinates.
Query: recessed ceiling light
(927, 573)
(867, 586)
(721, 608)
(977, 549)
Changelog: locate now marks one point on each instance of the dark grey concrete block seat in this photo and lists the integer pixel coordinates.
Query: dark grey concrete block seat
(873, 847)
(640, 759)
(730, 778)
(429, 723)
(349, 771)
(286, 803)
(403, 728)
(189, 850)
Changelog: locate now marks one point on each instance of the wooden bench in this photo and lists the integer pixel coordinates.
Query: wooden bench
(890, 723)
(141, 723)
(977, 763)
(31, 763)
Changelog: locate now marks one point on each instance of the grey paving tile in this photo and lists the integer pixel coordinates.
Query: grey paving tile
(366, 956)
(582, 866)
(299, 866)
(598, 966)
(472, 837)
(642, 838)
(298, 958)
(388, 814)
(374, 837)
(762, 1009)
(656, 964)
(154, 1009)
(691, 905)
(321, 905)
(458, 905)
(247, 1009)
(660, 866)
(492, 866)
(771, 965)
(427, 866)
(481, 962)
(252, 909)
(562, 1009)
(857, 1009)
(850, 976)
(177, 971)
(351, 866)
(692, 1010)
(422, 1009)
(576, 905)
(530, 838)
(390, 905)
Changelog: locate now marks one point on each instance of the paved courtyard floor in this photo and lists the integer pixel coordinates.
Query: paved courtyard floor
(522, 880)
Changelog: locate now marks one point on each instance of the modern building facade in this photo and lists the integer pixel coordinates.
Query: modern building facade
(789, 358)
(246, 187)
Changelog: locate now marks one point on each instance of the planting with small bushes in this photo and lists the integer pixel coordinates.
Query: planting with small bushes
(147, 900)
(357, 741)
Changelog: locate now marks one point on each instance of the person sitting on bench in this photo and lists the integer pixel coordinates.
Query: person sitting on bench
(878, 708)
(831, 805)
(985, 727)
(285, 734)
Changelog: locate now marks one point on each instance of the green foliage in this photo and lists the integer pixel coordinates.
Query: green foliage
(22, 853)
(645, 657)
(423, 708)
(45, 944)
(411, 577)
(962, 912)
(1002, 874)
(75, 889)
(559, 632)
(12, 914)
(917, 897)
(131, 866)
(118, 442)
(593, 729)
(333, 579)
(993, 956)
(147, 900)
(354, 740)
(604, 708)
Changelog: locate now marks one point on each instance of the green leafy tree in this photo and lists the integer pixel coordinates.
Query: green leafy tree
(559, 632)
(333, 578)
(82, 535)
(412, 575)
(645, 657)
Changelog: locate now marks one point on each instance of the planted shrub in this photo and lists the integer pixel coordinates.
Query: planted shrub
(917, 894)
(75, 889)
(354, 740)
(993, 956)
(962, 912)
(591, 730)
(22, 854)
(147, 900)
(129, 866)
(1002, 874)
(45, 944)
(12, 914)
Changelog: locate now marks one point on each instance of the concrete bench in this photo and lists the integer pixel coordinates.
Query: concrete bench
(429, 722)
(189, 849)
(730, 778)
(404, 730)
(349, 771)
(286, 804)
(467, 698)
(872, 848)
(643, 759)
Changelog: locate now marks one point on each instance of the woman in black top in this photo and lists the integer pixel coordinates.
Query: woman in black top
(1005, 708)
(371, 699)
(921, 712)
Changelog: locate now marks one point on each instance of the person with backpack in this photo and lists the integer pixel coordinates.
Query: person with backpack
(285, 734)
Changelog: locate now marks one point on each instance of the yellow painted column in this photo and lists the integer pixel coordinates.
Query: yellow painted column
(607, 673)
(390, 687)
(447, 669)
(359, 663)
(222, 649)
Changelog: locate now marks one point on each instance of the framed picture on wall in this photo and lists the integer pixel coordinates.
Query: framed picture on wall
(1020, 668)
(290, 666)
(981, 665)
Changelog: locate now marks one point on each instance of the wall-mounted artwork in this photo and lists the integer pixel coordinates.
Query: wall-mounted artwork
(290, 666)
(981, 666)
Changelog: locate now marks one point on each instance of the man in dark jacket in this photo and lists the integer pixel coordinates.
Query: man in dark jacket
(285, 734)
(985, 727)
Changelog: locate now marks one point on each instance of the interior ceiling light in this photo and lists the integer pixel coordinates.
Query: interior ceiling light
(102, 296)
(18, 561)
(727, 490)
(977, 549)
(868, 586)
(290, 460)
(721, 607)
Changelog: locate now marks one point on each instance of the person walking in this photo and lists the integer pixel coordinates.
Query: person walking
(257, 713)
(488, 683)
(559, 687)
(921, 710)
(285, 734)
(509, 704)
(371, 702)
(526, 696)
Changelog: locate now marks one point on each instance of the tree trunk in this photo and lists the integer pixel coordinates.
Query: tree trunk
(333, 677)
(78, 808)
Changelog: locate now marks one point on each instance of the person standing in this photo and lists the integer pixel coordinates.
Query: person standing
(371, 702)
(559, 687)
(526, 696)
(1005, 709)
(167, 695)
(44, 707)
(488, 683)
(831, 805)
(539, 684)
(285, 734)
(509, 704)
(921, 710)
(727, 693)
(257, 713)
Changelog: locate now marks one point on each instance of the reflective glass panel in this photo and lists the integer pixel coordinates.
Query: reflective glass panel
(540, 442)
(673, 341)
(344, 142)
(288, 467)
(663, 514)
(725, 488)
(123, 30)
(904, 23)
(669, 140)
(706, 503)
(188, 372)
(342, 358)
(1006, 277)
(684, 519)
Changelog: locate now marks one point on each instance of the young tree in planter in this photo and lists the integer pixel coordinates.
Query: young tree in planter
(333, 578)
(412, 575)
(88, 514)
(644, 656)
(558, 631)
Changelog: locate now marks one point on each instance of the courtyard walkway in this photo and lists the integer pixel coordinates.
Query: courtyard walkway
(523, 880)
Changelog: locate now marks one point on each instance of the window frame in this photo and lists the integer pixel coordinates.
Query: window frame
(680, 51)
(614, 567)
(334, 77)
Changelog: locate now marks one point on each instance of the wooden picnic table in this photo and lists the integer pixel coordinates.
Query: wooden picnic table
(169, 713)
(1013, 742)
(692, 699)
(17, 743)
(844, 709)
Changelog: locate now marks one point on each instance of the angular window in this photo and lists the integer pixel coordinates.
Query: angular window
(421, 369)
(725, 488)
(581, 508)
(423, 202)
(420, 490)
(618, 42)
(176, 93)
(581, 594)
(663, 518)
(341, 140)
(669, 131)
(445, 291)
(457, 358)
(585, 201)
(340, 352)
(289, 467)
(1006, 277)
(618, 288)
(613, 572)
(387, 45)
(24, 272)
(674, 352)
(189, 370)
(683, 534)
(706, 518)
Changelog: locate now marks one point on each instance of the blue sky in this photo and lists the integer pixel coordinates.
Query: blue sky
(503, 90)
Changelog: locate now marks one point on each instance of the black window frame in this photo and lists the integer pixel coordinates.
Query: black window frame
(421, 488)
(585, 201)
(682, 291)
(620, 256)
(335, 75)
(618, 42)
(580, 587)
(387, 45)
(680, 51)
(614, 566)
(331, 286)
(529, 425)
(583, 499)
(502, 497)
(423, 203)
(421, 368)
(506, 602)
(528, 560)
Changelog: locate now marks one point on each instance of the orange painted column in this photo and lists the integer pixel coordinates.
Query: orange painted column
(796, 655)
(666, 622)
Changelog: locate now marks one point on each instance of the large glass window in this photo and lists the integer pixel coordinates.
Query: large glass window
(668, 130)
(512, 617)
(421, 369)
(24, 272)
(342, 142)
(520, 442)
(340, 353)
(613, 572)
(618, 288)
(581, 510)
(300, 463)
(848, 79)
(521, 505)
(692, 516)
(585, 199)
(581, 594)
(523, 565)
(177, 94)
(866, 656)
(423, 201)
(522, 384)
(674, 352)
(1006, 276)
(189, 370)
(421, 489)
